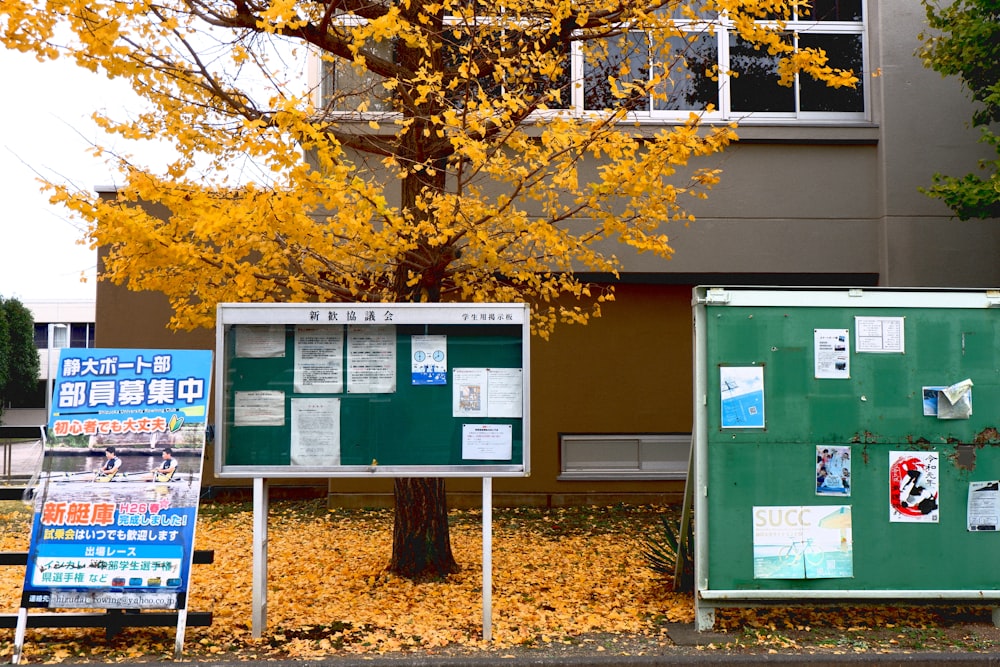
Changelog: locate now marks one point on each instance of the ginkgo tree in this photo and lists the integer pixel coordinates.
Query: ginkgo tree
(442, 154)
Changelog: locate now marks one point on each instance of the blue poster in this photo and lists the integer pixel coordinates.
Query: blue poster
(742, 391)
(117, 501)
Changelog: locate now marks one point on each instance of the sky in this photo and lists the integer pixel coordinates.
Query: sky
(45, 128)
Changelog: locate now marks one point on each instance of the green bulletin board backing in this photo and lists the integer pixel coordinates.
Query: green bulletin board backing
(410, 430)
(871, 403)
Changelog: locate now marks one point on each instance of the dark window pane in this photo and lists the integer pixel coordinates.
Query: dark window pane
(832, 10)
(41, 336)
(686, 9)
(461, 46)
(562, 82)
(79, 335)
(348, 88)
(844, 52)
(627, 59)
(689, 85)
(755, 88)
(528, 82)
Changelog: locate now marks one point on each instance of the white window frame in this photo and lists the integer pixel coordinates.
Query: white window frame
(724, 113)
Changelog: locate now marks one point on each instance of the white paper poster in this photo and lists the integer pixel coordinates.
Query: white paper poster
(802, 542)
(319, 359)
(429, 357)
(469, 392)
(261, 341)
(984, 506)
(487, 442)
(913, 487)
(488, 392)
(371, 359)
(879, 334)
(832, 353)
(259, 408)
(315, 439)
(504, 388)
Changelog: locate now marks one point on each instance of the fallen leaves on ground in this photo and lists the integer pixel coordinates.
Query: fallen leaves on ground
(563, 579)
(556, 574)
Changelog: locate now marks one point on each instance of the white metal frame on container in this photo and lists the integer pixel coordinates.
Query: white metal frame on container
(708, 599)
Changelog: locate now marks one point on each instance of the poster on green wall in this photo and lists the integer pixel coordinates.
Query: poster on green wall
(742, 390)
(802, 542)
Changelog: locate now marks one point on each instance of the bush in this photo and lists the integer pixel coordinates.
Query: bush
(661, 549)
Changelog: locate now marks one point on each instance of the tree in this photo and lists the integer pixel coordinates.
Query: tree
(446, 162)
(964, 40)
(18, 354)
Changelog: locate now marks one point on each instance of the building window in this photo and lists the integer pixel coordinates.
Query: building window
(697, 68)
(81, 335)
(712, 70)
(76, 334)
(41, 336)
(624, 456)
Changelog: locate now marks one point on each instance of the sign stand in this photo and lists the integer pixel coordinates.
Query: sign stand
(22, 626)
(182, 615)
(260, 511)
(330, 390)
(487, 558)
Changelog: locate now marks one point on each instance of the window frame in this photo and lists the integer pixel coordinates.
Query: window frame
(672, 463)
(723, 29)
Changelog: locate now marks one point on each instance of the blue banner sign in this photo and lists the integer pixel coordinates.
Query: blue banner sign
(117, 502)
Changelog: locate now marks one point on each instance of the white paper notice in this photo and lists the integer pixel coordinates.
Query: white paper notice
(879, 334)
(832, 353)
(487, 442)
(259, 408)
(469, 392)
(984, 506)
(488, 392)
(504, 392)
(319, 359)
(260, 341)
(371, 359)
(315, 431)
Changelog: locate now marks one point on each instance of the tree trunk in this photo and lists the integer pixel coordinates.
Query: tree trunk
(421, 545)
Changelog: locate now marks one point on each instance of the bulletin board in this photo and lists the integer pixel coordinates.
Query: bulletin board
(846, 445)
(363, 389)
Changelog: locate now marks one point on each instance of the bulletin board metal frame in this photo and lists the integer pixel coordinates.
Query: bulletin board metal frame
(479, 328)
(875, 406)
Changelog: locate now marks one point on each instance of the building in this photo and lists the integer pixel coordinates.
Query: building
(58, 324)
(819, 191)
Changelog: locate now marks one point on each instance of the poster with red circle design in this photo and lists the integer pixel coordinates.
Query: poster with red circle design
(913, 487)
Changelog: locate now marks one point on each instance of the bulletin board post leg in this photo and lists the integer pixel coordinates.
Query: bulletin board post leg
(22, 626)
(487, 558)
(704, 615)
(260, 512)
